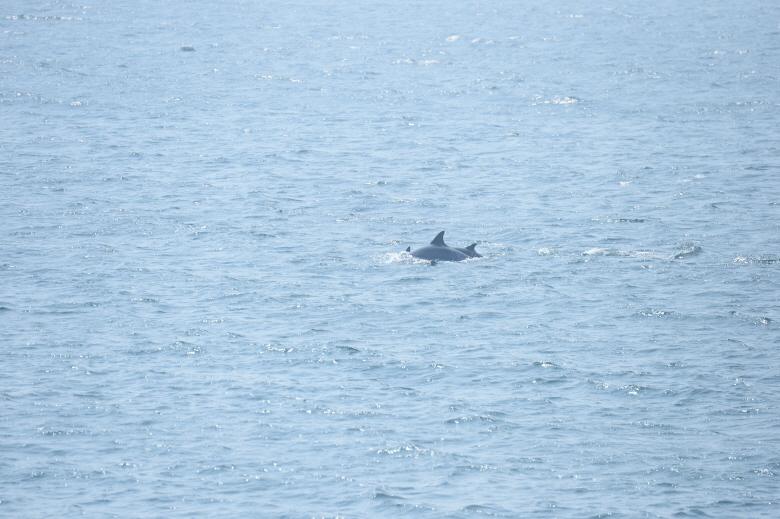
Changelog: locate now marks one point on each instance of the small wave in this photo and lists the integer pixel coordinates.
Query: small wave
(753, 319)
(471, 418)
(415, 62)
(144, 300)
(650, 312)
(599, 251)
(45, 18)
(396, 258)
(558, 101)
(620, 220)
(280, 78)
(407, 450)
(760, 260)
(688, 250)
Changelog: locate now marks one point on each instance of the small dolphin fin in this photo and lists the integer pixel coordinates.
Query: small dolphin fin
(471, 251)
(408, 249)
(439, 240)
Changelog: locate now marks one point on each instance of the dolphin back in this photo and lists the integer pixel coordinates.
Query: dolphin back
(469, 251)
(439, 251)
(433, 252)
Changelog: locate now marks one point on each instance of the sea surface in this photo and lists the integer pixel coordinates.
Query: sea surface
(208, 311)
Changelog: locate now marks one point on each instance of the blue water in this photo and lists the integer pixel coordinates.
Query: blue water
(206, 306)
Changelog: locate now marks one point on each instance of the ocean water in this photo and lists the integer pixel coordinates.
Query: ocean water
(206, 307)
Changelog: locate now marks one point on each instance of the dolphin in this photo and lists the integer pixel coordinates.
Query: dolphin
(469, 251)
(439, 251)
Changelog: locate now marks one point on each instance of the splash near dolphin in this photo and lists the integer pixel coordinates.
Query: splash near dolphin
(440, 251)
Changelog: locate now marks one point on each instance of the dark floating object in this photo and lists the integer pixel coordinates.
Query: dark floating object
(187, 48)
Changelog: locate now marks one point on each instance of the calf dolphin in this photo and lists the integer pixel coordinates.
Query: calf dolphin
(469, 251)
(439, 251)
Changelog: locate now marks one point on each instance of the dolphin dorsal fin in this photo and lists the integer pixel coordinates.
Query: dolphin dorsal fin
(408, 249)
(439, 240)
(471, 247)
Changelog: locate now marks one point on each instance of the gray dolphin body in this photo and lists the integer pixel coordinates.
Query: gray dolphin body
(439, 251)
(469, 251)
